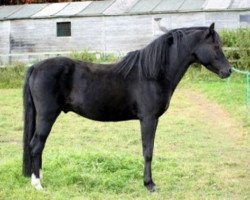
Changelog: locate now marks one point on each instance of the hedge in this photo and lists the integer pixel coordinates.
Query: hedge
(236, 44)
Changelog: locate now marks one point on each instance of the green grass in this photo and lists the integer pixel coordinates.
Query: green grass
(84, 159)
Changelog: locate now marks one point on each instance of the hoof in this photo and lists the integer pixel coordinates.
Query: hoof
(150, 186)
(36, 183)
(39, 187)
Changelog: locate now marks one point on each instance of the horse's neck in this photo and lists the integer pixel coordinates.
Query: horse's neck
(182, 58)
(178, 70)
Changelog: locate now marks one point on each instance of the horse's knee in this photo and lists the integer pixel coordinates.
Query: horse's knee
(148, 157)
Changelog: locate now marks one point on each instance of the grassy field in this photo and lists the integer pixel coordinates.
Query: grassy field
(201, 152)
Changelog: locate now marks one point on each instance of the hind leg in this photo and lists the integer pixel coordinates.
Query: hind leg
(44, 124)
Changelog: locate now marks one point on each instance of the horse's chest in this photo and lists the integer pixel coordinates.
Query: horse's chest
(162, 107)
(163, 103)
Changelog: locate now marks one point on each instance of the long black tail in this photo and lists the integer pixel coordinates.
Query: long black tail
(29, 124)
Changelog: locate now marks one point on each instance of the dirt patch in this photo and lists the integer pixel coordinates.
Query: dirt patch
(214, 115)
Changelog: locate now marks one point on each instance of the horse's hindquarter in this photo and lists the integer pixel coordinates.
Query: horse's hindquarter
(49, 83)
(100, 95)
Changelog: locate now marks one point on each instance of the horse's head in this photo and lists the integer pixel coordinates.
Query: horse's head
(209, 53)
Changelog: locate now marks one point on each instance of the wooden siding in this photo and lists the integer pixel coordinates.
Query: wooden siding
(93, 33)
(4, 41)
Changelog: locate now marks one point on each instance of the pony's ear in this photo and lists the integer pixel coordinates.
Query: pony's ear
(210, 30)
(211, 27)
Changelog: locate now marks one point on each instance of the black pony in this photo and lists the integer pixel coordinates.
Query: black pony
(139, 86)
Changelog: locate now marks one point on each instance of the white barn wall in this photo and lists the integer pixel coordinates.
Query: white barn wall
(4, 41)
(87, 33)
(36, 36)
(126, 33)
(30, 35)
(224, 20)
(123, 33)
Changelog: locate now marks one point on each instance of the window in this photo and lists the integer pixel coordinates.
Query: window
(245, 18)
(63, 29)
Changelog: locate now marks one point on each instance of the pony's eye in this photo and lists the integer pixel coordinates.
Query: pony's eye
(216, 46)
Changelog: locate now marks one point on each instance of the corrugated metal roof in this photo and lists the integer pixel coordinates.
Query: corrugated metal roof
(73, 8)
(144, 6)
(169, 5)
(50, 10)
(120, 7)
(96, 7)
(192, 5)
(27, 11)
(217, 5)
(116, 7)
(6, 11)
(240, 4)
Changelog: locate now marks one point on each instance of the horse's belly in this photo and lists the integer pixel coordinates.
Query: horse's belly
(105, 114)
(103, 111)
(102, 99)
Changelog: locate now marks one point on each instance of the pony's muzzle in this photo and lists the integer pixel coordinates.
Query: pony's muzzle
(225, 73)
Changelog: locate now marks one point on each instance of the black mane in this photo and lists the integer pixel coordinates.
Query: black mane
(154, 58)
(148, 60)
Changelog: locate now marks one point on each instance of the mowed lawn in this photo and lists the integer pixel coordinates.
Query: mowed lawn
(201, 152)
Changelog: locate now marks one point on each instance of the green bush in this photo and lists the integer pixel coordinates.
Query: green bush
(12, 76)
(237, 47)
(84, 55)
(95, 57)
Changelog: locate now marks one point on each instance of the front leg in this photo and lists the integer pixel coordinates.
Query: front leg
(148, 128)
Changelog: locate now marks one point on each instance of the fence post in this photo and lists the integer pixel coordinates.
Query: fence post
(247, 73)
(248, 90)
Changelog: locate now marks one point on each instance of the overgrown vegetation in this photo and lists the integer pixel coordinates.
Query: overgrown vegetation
(96, 57)
(237, 47)
(12, 76)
